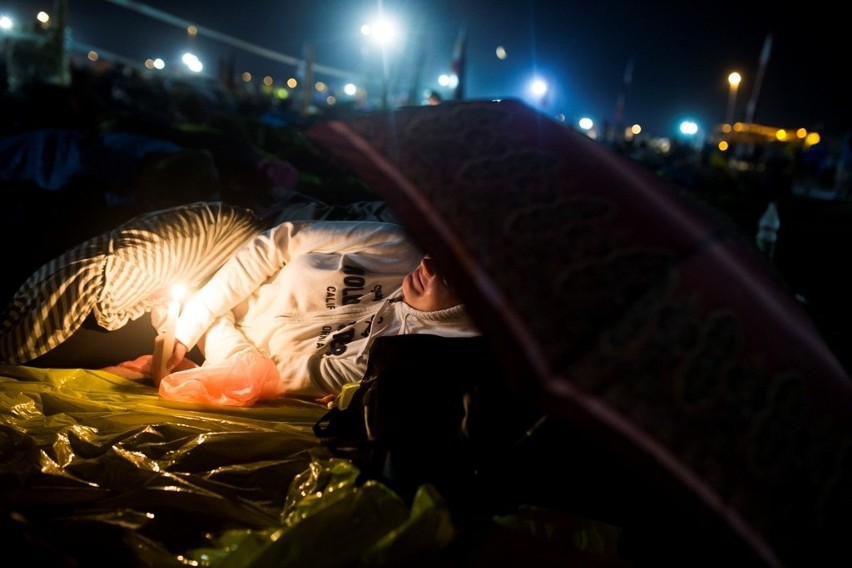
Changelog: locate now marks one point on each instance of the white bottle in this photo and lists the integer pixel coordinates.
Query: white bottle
(767, 230)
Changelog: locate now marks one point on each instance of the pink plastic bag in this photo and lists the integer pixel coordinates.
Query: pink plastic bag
(239, 381)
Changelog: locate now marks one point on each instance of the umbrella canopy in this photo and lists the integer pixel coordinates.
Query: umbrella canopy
(619, 303)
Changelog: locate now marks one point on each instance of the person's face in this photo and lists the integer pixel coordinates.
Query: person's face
(426, 290)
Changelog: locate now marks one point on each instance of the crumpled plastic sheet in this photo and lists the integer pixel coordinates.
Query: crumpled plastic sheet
(95, 466)
(330, 519)
(96, 469)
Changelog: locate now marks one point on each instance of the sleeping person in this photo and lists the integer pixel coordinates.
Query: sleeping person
(295, 311)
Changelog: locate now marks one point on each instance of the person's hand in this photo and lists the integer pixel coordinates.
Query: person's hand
(177, 357)
(143, 366)
(176, 360)
(326, 400)
(139, 368)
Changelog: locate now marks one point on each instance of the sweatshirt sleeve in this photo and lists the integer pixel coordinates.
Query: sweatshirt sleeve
(266, 254)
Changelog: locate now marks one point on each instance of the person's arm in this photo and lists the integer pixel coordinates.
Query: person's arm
(177, 357)
(265, 255)
(241, 275)
(314, 375)
(222, 337)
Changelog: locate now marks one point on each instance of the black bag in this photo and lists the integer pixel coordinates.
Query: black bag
(420, 414)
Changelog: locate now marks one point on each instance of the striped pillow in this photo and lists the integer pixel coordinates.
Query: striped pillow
(120, 275)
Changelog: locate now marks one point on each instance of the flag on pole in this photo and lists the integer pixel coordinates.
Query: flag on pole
(764, 59)
(459, 63)
(414, 93)
(308, 80)
(621, 101)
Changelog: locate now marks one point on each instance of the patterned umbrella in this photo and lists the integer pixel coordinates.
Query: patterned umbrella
(615, 300)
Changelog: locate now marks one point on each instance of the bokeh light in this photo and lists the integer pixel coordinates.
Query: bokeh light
(538, 87)
(384, 31)
(689, 127)
(192, 62)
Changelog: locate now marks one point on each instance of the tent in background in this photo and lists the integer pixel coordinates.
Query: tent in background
(624, 307)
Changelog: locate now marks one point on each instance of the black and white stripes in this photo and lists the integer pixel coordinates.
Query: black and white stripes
(120, 275)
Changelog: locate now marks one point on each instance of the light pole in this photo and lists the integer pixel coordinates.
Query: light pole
(734, 82)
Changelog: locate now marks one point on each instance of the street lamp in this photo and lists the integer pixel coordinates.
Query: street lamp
(734, 82)
(192, 62)
(384, 32)
(539, 88)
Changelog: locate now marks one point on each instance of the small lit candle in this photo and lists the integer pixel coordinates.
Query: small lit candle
(168, 331)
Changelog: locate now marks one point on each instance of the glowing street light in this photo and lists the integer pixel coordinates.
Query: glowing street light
(734, 82)
(539, 88)
(449, 81)
(689, 128)
(192, 62)
(385, 33)
(157, 64)
(382, 32)
(692, 133)
(588, 126)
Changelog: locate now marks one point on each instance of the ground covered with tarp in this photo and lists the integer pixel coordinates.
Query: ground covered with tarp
(99, 469)
(120, 463)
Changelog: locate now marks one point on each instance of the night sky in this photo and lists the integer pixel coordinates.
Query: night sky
(677, 54)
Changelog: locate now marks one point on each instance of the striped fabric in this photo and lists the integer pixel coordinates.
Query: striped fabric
(120, 275)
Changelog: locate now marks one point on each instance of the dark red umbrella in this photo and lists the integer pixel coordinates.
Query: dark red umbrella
(618, 303)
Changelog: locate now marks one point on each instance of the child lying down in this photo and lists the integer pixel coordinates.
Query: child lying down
(292, 311)
(295, 310)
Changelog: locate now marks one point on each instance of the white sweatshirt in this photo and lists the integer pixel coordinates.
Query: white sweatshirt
(313, 296)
